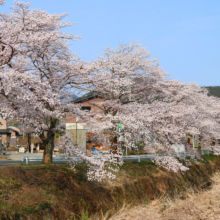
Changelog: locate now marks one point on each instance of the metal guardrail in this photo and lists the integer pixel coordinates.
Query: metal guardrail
(138, 158)
(54, 159)
(205, 151)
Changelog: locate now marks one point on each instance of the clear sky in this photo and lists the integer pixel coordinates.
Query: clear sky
(183, 34)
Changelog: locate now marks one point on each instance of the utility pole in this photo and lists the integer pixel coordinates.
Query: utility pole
(193, 142)
(77, 119)
(120, 137)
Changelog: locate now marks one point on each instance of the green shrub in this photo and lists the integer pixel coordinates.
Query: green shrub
(131, 152)
(84, 216)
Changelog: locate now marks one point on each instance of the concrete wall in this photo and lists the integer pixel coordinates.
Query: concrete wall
(77, 131)
(13, 141)
(78, 137)
(70, 118)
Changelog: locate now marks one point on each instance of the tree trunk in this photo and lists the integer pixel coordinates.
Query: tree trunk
(114, 145)
(48, 148)
(29, 143)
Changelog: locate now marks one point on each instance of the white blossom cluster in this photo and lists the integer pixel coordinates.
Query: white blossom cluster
(2, 2)
(170, 163)
(216, 150)
(100, 167)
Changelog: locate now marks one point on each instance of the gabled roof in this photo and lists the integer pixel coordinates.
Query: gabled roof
(87, 96)
(5, 131)
(17, 130)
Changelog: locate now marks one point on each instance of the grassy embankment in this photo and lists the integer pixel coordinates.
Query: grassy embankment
(57, 192)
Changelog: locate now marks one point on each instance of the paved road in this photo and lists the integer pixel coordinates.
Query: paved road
(17, 162)
(15, 158)
(18, 156)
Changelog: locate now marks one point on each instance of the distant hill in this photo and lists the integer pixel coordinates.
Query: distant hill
(214, 90)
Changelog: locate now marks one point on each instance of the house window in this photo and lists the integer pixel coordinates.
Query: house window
(86, 108)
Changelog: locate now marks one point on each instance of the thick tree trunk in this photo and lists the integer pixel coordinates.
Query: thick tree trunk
(114, 144)
(48, 148)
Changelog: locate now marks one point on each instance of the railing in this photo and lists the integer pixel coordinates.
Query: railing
(54, 159)
(137, 158)
(206, 151)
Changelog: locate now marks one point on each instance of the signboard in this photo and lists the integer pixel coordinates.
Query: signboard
(196, 144)
(119, 130)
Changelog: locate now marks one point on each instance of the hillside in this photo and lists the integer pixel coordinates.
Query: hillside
(214, 90)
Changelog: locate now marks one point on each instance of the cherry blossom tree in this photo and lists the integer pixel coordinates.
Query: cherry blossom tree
(36, 69)
(198, 113)
(37, 72)
(114, 78)
(2, 2)
(141, 96)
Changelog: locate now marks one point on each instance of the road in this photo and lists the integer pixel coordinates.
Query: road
(16, 158)
(18, 162)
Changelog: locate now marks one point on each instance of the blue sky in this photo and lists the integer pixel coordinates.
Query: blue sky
(183, 34)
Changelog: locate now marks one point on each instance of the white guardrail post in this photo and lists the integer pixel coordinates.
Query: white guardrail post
(26, 160)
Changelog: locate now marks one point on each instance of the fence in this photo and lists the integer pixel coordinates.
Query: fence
(137, 158)
(61, 159)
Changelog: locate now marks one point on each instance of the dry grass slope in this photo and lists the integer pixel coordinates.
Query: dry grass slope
(204, 205)
(58, 192)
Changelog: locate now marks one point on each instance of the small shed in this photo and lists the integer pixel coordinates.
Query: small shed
(33, 140)
(8, 134)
